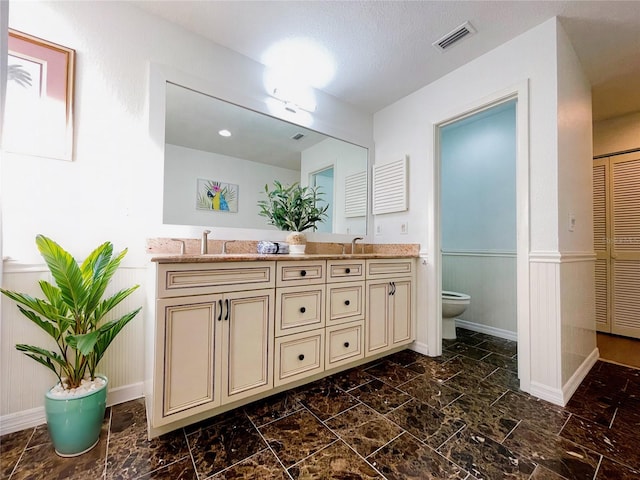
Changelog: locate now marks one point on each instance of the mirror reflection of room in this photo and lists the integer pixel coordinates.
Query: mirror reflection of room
(219, 156)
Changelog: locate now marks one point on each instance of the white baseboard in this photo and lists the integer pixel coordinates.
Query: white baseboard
(569, 388)
(420, 347)
(553, 395)
(33, 417)
(478, 327)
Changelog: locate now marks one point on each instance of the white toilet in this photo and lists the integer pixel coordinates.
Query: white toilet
(453, 304)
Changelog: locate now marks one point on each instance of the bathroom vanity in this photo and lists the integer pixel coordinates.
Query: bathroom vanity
(231, 329)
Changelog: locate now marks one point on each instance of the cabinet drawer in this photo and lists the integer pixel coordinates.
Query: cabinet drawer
(345, 302)
(390, 268)
(299, 309)
(345, 343)
(178, 279)
(299, 356)
(345, 270)
(300, 273)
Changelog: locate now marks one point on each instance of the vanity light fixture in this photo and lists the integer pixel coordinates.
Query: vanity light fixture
(224, 133)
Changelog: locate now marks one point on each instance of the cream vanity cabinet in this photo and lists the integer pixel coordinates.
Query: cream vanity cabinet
(211, 349)
(389, 305)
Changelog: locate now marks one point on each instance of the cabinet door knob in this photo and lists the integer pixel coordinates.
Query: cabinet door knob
(347, 270)
(303, 309)
(347, 302)
(303, 273)
(346, 344)
(301, 357)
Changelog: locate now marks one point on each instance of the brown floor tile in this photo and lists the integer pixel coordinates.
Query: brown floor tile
(431, 392)
(541, 473)
(502, 346)
(324, 399)
(595, 402)
(474, 367)
(465, 382)
(272, 408)
(381, 397)
(351, 378)
(217, 447)
(610, 470)
(553, 452)
(43, 462)
(472, 340)
(506, 378)
(542, 415)
(40, 436)
(180, 470)
(471, 352)
(485, 458)
(436, 369)
(502, 361)
(407, 459)
(391, 373)
(129, 419)
(405, 357)
(364, 429)
(335, 461)
(11, 447)
(480, 417)
(261, 466)
(425, 422)
(296, 437)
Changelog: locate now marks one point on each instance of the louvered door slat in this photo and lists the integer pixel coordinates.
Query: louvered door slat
(626, 304)
(602, 296)
(626, 206)
(599, 208)
(390, 187)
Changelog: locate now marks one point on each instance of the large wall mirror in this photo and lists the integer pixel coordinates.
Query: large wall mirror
(219, 156)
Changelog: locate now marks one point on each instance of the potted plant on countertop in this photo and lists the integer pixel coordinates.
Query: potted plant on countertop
(73, 314)
(293, 209)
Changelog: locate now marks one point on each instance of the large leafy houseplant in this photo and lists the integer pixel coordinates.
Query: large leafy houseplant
(292, 208)
(73, 311)
(74, 314)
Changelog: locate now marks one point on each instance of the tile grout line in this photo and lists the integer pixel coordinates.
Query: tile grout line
(106, 450)
(193, 460)
(15, 467)
(286, 471)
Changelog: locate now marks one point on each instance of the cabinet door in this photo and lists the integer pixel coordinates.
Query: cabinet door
(400, 312)
(188, 337)
(377, 318)
(247, 339)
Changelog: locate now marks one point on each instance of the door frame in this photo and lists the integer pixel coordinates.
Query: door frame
(519, 92)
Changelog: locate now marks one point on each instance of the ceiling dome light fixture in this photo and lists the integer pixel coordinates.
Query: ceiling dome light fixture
(224, 133)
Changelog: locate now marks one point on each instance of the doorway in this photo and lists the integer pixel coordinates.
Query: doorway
(323, 180)
(519, 95)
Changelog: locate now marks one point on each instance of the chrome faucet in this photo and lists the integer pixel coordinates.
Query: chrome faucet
(205, 242)
(353, 244)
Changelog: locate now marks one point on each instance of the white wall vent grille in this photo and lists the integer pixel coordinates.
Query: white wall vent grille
(355, 195)
(390, 187)
(457, 34)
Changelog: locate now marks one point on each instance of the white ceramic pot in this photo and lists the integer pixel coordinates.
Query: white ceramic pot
(297, 243)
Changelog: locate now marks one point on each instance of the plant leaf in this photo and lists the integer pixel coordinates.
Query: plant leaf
(109, 331)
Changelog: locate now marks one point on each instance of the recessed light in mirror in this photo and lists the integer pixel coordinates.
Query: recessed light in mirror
(224, 133)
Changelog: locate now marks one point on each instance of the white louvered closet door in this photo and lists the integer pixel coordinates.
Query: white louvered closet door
(601, 244)
(624, 222)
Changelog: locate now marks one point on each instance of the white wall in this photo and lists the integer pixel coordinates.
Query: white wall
(346, 159)
(616, 134)
(478, 215)
(575, 197)
(113, 188)
(183, 166)
(407, 126)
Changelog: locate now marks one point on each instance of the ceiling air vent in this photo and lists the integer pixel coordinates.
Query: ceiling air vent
(454, 36)
(297, 136)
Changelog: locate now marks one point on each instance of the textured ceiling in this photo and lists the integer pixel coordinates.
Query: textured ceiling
(383, 51)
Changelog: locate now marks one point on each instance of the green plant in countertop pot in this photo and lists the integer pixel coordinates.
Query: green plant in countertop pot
(294, 209)
(73, 313)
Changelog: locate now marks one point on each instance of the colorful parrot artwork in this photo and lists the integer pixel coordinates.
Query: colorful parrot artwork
(216, 195)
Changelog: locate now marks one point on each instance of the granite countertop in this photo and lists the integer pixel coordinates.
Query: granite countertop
(256, 257)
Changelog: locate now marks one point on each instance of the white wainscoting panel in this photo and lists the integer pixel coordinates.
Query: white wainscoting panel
(490, 279)
(23, 382)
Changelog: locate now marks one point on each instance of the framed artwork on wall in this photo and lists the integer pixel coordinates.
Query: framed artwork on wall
(217, 196)
(39, 100)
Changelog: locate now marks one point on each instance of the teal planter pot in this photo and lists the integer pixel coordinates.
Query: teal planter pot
(75, 423)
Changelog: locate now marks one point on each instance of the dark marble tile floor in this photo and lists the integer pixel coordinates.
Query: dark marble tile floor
(458, 416)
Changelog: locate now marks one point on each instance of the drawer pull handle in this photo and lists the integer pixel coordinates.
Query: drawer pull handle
(219, 310)
(347, 270)
(303, 273)
(228, 315)
(302, 309)
(346, 344)
(347, 302)
(301, 357)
